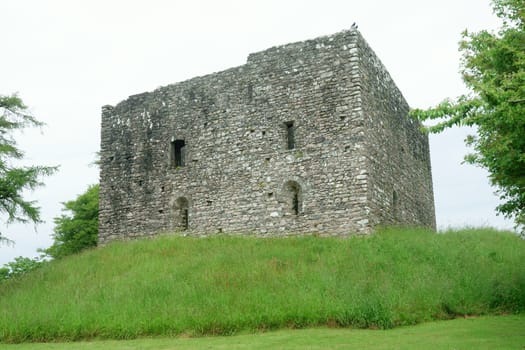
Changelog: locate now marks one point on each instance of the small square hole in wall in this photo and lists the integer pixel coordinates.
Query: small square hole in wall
(343, 117)
(267, 159)
(140, 183)
(162, 189)
(263, 133)
(220, 230)
(209, 203)
(347, 148)
(270, 194)
(252, 130)
(161, 211)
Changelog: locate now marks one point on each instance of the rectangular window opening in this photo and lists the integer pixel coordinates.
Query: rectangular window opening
(290, 135)
(295, 203)
(178, 153)
(185, 219)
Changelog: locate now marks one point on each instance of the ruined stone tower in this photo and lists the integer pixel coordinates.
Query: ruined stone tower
(309, 137)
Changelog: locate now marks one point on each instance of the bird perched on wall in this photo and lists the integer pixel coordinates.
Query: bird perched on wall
(354, 26)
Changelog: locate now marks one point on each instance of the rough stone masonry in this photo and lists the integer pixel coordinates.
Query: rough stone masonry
(308, 137)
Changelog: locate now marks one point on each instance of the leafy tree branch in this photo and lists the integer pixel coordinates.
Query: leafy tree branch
(14, 179)
(493, 68)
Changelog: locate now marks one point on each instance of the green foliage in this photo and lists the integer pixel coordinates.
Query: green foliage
(14, 180)
(20, 266)
(222, 285)
(78, 231)
(493, 68)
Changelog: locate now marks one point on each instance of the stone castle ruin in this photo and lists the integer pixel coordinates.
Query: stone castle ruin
(308, 137)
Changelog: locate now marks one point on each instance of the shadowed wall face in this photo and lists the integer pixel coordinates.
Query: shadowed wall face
(305, 137)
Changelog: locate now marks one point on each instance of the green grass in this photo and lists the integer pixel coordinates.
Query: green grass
(222, 285)
(502, 332)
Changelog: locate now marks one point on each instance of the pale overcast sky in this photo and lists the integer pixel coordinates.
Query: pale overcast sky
(68, 58)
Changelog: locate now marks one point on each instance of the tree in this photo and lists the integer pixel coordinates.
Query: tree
(14, 180)
(78, 231)
(493, 68)
(20, 266)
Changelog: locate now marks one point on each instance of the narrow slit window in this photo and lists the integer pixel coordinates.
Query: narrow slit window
(290, 135)
(178, 148)
(294, 198)
(295, 203)
(250, 92)
(185, 219)
(395, 205)
(182, 221)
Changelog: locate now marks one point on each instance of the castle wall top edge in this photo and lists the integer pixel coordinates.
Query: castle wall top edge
(259, 56)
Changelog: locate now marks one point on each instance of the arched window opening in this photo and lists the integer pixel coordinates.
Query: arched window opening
(295, 203)
(294, 197)
(181, 214)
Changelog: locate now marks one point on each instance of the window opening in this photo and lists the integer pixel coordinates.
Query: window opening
(290, 135)
(295, 203)
(294, 197)
(185, 221)
(182, 214)
(395, 205)
(178, 153)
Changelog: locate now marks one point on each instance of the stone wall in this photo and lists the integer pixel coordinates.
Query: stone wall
(212, 154)
(398, 160)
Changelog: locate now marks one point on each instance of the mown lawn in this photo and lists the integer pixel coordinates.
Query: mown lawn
(496, 332)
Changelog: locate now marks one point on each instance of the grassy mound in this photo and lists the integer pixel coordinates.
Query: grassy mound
(219, 285)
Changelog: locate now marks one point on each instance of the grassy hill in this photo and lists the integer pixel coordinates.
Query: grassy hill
(220, 285)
